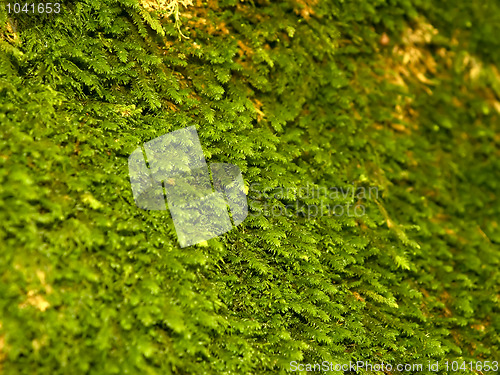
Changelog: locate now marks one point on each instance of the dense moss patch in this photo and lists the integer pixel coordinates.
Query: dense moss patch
(401, 96)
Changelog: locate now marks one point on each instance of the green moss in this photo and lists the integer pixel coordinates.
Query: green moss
(401, 96)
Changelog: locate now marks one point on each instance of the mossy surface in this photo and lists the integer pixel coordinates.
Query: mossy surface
(401, 96)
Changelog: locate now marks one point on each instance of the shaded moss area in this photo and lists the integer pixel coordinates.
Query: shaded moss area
(398, 95)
